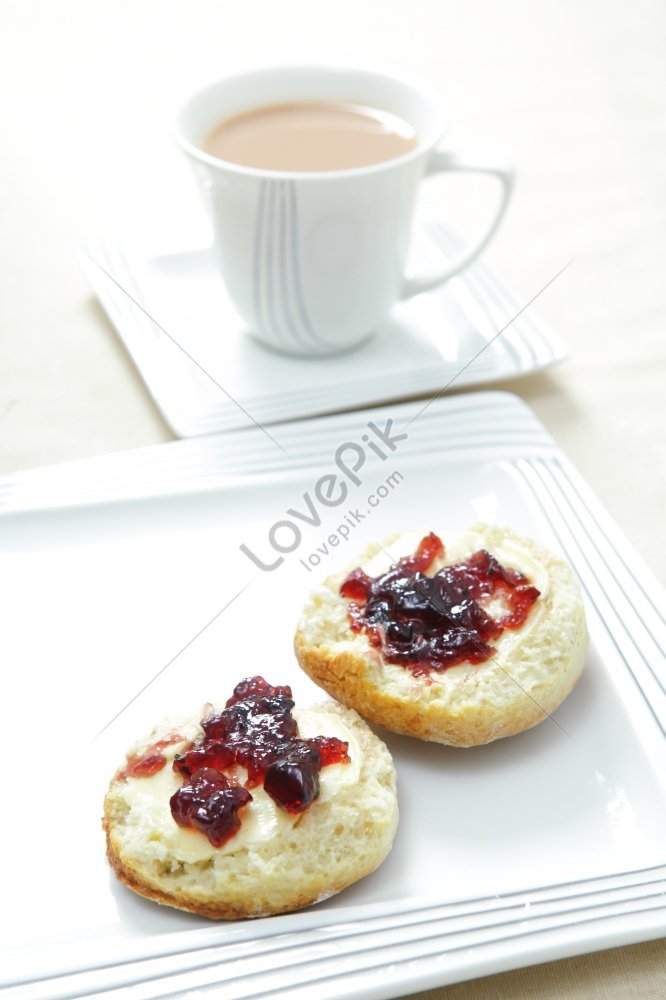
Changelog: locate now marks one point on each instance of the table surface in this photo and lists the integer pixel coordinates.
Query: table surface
(574, 93)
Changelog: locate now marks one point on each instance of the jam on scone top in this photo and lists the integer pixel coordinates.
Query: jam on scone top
(255, 731)
(429, 623)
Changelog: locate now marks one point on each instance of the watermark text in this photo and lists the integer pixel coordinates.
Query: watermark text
(331, 490)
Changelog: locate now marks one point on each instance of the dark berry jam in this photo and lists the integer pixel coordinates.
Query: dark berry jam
(427, 623)
(210, 803)
(255, 731)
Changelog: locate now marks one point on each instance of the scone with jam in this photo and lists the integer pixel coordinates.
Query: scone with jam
(252, 809)
(459, 644)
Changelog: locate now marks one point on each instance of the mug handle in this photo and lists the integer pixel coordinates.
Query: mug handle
(439, 163)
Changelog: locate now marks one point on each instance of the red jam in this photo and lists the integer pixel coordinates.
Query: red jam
(427, 623)
(255, 731)
(210, 803)
(150, 760)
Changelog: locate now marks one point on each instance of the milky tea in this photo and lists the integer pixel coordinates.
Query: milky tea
(311, 136)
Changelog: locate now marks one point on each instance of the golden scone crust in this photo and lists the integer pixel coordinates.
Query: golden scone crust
(343, 836)
(533, 670)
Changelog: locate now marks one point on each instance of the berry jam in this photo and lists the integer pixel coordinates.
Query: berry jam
(427, 623)
(149, 761)
(255, 731)
(210, 803)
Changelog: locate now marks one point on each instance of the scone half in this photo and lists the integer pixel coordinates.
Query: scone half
(277, 862)
(531, 672)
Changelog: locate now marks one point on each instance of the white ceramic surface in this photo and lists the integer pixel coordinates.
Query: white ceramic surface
(125, 596)
(314, 261)
(165, 307)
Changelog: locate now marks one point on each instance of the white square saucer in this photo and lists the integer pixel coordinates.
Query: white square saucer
(207, 374)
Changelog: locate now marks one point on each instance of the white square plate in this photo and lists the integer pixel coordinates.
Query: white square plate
(126, 597)
(207, 374)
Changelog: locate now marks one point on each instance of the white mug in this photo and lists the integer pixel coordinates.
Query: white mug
(314, 261)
